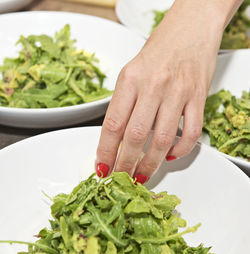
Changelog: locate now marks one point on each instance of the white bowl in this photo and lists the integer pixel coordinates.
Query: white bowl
(13, 5)
(232, 73)
(213, 190)
(113, 44)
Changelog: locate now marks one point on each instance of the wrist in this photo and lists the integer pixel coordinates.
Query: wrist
(195, 22)
(215, 13)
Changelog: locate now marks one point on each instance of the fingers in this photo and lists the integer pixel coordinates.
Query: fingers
(114, 124)
(136, 133)
(164, 134)
(193, 121)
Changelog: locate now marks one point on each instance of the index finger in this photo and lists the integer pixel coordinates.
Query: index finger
(113, 128)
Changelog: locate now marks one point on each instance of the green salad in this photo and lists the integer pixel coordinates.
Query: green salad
(158, 17)
(236, 34)
(227, 121)
(113, 216)
(49, 73)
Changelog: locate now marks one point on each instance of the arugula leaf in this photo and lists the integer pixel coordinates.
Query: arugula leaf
(49, 73)
(95, 219)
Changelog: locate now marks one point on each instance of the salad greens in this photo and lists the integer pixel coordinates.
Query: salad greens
(113, 216)
(236, 34)
(227, 121)
(49, 73)
(158, 17)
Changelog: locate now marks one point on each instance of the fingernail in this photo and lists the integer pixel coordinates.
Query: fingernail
(170, 158)
(102, 169)
(140, 178)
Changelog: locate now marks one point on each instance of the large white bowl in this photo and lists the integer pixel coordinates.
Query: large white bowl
(113, 44)
(233, 74)
(13, 5)
(213, 190)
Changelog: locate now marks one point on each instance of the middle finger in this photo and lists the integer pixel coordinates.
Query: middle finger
(136, 134)
(164, 134)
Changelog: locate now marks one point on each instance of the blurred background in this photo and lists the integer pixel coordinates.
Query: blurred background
(100, 8)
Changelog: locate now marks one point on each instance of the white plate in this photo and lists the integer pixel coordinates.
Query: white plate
(13, 5)
(213, 190)
(232, 73)
(113, 44)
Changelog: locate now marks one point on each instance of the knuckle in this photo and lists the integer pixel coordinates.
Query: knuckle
(128, 73)
(137, 135)
(160, 79)
(182, 89)
(105, 152)
(185, 150)
(125, 165)
(150, 167)
(163, 140)
(113, 126)
(195, 133)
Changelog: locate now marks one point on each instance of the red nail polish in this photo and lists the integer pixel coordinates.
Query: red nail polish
(140, 178)
(170, 158)
(102, 169)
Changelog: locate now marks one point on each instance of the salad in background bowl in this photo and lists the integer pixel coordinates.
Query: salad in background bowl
(113, 45)
(227, 112)
(227, 122)
(50, 73)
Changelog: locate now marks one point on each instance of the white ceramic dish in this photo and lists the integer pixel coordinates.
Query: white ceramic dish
(232, 73)
(213, 190)
(113, 44)
(13, 5)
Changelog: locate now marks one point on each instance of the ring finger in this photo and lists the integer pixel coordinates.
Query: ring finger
(164, 134)
(136, 134)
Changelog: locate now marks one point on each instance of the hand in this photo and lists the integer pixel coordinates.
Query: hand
(169, 78)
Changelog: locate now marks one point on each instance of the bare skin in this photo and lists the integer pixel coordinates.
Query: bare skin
(170, 77)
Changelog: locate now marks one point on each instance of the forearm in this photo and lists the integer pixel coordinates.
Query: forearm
(221, 11)
(227, 9)
(197, 22)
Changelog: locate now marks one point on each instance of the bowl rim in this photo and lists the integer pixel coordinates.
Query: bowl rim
(206, 147)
